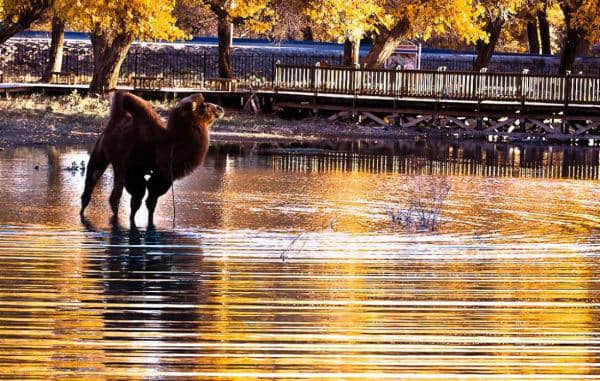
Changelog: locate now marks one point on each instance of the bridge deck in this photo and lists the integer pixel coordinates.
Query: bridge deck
(321, 97)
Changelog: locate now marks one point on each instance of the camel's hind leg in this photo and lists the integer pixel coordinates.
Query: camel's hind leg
(117, 191)
(136, 186)
(95, 168)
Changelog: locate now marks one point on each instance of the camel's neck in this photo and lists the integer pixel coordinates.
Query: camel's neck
(188, 144)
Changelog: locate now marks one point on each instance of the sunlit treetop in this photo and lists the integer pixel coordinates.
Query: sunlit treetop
(351, 19)
(504, 8)
(427, 18)
(586, 15)
(340, 19)
(514, 35)
(256, 15)
(141, 19)
(13, 8)
(194, 17)
(18, 15)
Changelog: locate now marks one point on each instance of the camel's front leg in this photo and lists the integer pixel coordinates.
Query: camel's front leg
(157, 186)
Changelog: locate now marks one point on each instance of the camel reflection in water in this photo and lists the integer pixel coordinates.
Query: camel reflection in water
(152, 285)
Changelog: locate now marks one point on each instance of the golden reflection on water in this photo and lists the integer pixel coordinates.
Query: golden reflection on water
(506, 290)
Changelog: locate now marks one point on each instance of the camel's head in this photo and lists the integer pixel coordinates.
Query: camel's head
(202, 114)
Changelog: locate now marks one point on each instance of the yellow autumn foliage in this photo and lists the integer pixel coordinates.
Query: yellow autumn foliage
(141, 19)
(347, 19)
(462, 17)
(256, 15)
(340, 19)
(587, 17)
(245, 9)
(12, 8)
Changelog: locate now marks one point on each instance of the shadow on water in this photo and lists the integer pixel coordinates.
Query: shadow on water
(151, 282)
(154, 267)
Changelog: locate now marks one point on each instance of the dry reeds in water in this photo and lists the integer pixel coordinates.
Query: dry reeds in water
(425, 199)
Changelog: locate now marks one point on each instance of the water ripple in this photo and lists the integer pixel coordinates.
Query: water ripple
(507, 289)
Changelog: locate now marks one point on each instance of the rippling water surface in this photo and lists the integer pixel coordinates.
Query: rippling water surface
(506, 289)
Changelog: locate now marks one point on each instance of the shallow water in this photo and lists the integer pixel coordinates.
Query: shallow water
(506, 289)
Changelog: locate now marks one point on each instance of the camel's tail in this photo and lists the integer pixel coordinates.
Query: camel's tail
(95, 168)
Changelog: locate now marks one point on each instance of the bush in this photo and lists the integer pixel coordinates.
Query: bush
(425, 198)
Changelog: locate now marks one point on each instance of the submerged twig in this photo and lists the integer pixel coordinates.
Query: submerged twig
(284, 253)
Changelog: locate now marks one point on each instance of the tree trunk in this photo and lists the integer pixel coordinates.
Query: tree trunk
(347, 60)
(569, 52)
(56, 48)
(573, 38)
(351, 52)
(109, 54)
(356, 52)
(307, 34)
(544, 26)
(584, 48)
(486, 50)
(532, 37)
(35, 10)
(225, 64)
(385, 43)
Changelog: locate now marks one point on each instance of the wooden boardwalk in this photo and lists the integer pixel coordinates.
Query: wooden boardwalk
(457, 103)
(467, 103)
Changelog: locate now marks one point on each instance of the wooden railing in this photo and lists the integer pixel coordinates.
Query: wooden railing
(441, 84)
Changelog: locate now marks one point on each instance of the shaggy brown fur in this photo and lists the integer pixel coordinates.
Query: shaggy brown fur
(137, 143)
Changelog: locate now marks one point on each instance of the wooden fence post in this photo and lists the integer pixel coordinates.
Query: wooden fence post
(397, 85)
(566, 98)
(437, 93)
(355, 71)
(522, 93)
(402, 88)
(204, 72)
(444, 81)
(481, 77)
(273, 67)
(276, 80)
(316, 80)
(521, 84)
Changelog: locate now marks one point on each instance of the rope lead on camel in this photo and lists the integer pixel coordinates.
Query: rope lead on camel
(172, 183)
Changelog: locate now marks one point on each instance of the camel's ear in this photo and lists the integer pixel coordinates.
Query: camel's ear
(198, 99)
(196, 102)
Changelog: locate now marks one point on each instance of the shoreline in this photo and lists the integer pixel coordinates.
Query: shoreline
(34, 120)
(72, 119)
